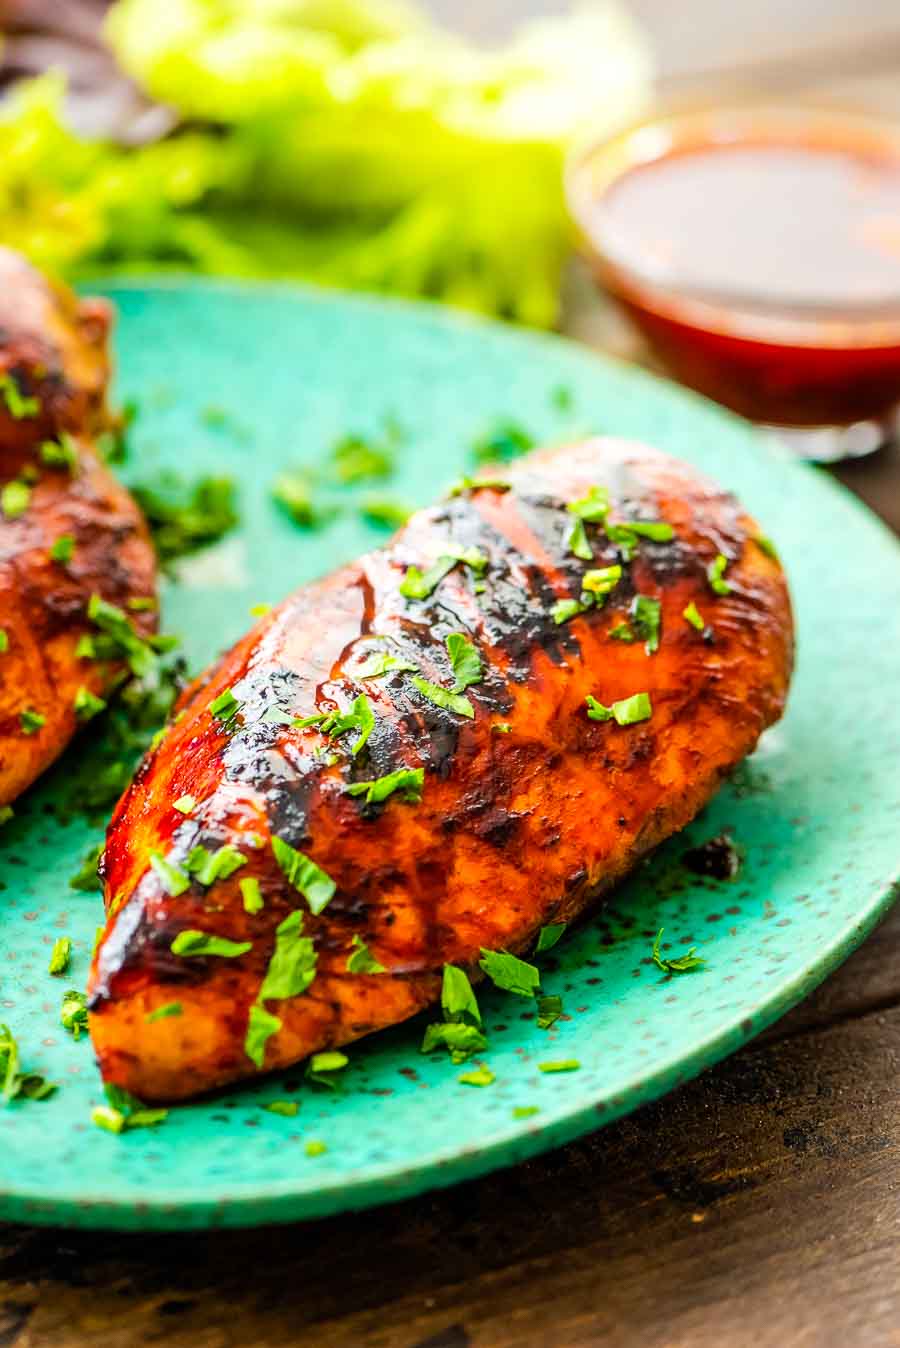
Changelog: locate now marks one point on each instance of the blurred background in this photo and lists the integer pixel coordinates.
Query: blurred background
(405, 146)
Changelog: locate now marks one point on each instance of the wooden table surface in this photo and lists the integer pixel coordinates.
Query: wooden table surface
(758, 1207)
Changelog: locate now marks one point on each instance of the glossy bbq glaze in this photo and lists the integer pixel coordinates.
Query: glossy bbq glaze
(54, 370)
(516, 827)
(759, 251)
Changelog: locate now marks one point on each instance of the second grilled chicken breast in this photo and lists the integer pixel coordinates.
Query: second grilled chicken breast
(77, 568)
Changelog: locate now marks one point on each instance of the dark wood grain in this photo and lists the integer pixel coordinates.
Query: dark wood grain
(755, 1206)
(758, 1207)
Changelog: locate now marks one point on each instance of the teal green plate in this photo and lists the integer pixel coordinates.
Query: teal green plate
(247, 381)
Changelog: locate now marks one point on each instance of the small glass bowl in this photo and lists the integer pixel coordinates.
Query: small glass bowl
(826, 374)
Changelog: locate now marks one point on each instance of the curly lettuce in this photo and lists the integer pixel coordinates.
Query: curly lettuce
(347, 142)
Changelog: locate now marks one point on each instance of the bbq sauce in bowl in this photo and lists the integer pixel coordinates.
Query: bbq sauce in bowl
(758, 250)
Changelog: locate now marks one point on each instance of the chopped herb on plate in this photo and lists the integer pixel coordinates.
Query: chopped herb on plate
(715, 574)
(548, 937)
(627, 711)
(479, 1076)
(362, 961)
(316, 886)
(510, 973)
(292, 967)
(408, 781)
(682, 964)
(191, 943)
(444, 698)
(73, 1015)
(60, 956)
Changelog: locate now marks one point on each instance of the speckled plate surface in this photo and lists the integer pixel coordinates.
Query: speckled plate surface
(817, 808)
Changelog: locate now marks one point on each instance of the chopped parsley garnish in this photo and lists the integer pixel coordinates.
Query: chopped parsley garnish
(577, 541)
(316, 886)
(765, 544)
(314, 1147)
(622, 632)
(14, 498)
(4, 641)
(13, 1082)
(525, 1111)
(18, 405)
(288, 1109)
(549, 1010)
(123, 639)
(382, 663)
(442, 697)
(510, 973)
(460, 1040)
(682, 964)
(261, 1025)
(504, 441)
(408, 781)
(185, 804)
(715, 573)
(473, 558)
(385, 511)
(464, 661)
(601, 581)
(322, 1067)
(87, 705)
(468, 483)
(627, 711)
(61, 453)
(225, 707)
(480, 1076)
(362, 961)
(501, 728)
(595, 586)
(60, 956)
(63, 549)
(208, 867)
(109, 1119)
(646, 614)
(293, 491)
(461, 1033)
(173, 880)
(457, 998)
(251, 895)
(73, 1014)
(31, 721)
(594, 507)
(164, 1012)
(627, 535)
(560, 1065)
(359, 717)
(354, 459)
(418, 584)
(548, 937)
(656, 530)
(190, 943)
(693, 616)
(86, 877)
(124, 1111)
(292, 966)
(564, 609)
(186, 516)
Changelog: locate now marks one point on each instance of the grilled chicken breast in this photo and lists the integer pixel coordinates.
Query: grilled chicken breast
(68, 530)
(593, 575)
